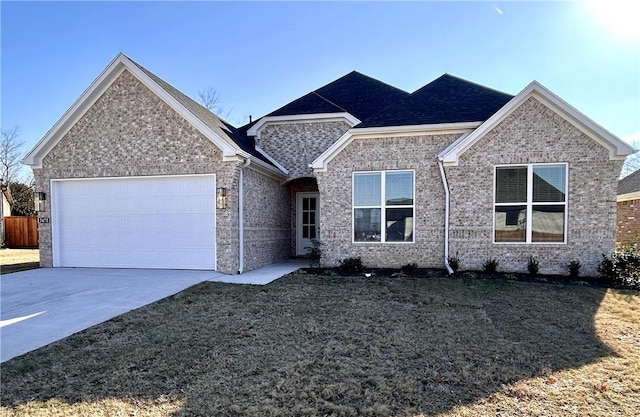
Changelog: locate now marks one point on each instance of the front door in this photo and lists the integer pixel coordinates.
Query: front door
(307, 220)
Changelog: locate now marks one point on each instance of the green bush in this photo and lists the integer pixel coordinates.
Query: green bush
(454, 262)
(533, 266)
(623, 268)
(574, 268)
(606, 270)
(315, 253)
(408, 268)
(490, 265)
(351, 265)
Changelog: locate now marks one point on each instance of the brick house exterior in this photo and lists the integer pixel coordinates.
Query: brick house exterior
(629, 208)
(301, 172)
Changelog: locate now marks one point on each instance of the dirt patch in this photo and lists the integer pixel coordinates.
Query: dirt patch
(13, 260)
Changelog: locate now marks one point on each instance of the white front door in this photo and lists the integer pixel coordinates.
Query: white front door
(307, 221)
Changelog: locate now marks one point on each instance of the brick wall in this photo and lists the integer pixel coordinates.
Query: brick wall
(129, 131)
(296, 145)
(535, 134)
(531, 134)
(335, 185)
(267, 227)
(628, 220)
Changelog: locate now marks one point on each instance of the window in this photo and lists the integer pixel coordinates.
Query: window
(383, 206)
(531, 203)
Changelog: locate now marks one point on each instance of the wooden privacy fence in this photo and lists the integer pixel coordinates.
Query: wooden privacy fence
(21, 232)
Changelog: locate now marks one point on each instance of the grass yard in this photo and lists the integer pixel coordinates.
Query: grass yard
(310, 345)
(13, 260)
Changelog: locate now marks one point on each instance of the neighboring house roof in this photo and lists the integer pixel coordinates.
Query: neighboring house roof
(447, 99)
(354, 93)
(223, 135)
(630, 183)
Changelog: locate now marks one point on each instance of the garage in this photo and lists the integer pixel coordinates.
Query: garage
(163, 222)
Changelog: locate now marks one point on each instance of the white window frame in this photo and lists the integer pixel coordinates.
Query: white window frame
(383, 206)
(530, 203)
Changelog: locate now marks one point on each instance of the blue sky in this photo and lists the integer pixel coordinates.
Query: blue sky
(261, 55)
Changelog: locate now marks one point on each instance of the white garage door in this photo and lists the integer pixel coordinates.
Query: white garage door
(134, 222)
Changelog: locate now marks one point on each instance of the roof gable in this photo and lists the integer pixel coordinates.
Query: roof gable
(354, 93)
(447, 99)
(617, 148)
(224, 136)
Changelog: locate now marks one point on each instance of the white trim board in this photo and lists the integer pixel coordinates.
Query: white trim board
(617, 148)
(106, 78)
(301, 118)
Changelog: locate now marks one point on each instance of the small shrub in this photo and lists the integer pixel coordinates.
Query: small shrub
(533, 266)
(315, 253)
(606, 270)
(408, 268)
(574, 268)
(490, 265)
(626, 261)
(351, 265)
(454, 262)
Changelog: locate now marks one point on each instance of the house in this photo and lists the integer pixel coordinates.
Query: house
(138, 175)
(629, 207)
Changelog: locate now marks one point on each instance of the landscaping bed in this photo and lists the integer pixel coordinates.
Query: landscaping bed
(308, 345)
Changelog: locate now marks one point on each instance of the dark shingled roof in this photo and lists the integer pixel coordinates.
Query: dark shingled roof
(447, 99)
(630, 183)
(354, 93)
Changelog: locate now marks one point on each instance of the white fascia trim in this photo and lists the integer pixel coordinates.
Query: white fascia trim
(75, 112)
(273, 161)
(617, 148)
(95, 90)
(301, 118)
(414, 130)
(629, 196)
(266, 169)
(320, 163)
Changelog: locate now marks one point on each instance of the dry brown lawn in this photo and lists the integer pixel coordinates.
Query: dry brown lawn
(12, 260)
(315, 345)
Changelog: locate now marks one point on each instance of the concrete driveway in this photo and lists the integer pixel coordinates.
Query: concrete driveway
(40, 306)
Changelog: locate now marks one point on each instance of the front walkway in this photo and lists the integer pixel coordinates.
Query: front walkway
(40, 306)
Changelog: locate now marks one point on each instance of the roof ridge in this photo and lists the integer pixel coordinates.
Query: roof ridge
(329, 101)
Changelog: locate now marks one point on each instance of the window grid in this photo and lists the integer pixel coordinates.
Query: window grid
(382, 206)
(530, 203)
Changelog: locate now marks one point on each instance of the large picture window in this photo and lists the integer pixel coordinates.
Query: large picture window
(531, 203)
(383, 206)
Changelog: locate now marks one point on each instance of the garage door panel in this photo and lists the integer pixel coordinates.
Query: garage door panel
(141, 222)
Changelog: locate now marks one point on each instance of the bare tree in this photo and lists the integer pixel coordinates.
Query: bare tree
(632, 163)
(210, 98)
(10, 153)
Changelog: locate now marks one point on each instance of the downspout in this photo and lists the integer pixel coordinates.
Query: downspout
(246, 163)
(446, 216)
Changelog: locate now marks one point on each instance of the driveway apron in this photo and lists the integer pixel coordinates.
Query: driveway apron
(40, 306)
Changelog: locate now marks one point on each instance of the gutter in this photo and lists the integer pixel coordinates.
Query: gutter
(446, 217)
(246, 163)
